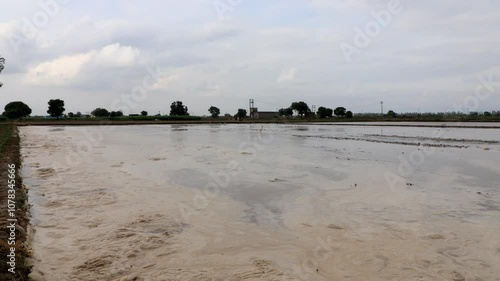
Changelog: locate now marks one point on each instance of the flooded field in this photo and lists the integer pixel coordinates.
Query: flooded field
(263, 202)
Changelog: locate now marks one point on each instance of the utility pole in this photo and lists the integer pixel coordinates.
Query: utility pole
(252, 106)
(382, 108)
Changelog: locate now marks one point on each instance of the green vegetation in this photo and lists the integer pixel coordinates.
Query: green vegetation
(287, 112)
(16, 110)
(179, 112)
(242, 113)
(9, 154)
(324, 112)
(177, 108)
(56, 108)
(340, 111)
(5, 135)
(301, 107)
(100, 112)
(214, 111)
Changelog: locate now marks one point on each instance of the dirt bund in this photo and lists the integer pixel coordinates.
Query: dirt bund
(429, 124)
(10, 155)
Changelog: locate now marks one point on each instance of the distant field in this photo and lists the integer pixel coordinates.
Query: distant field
(138, 120)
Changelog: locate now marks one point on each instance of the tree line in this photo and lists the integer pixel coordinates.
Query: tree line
(56, 109)
(303, 110)
(18, 109)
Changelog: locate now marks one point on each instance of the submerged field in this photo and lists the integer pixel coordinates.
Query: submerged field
(263, 202)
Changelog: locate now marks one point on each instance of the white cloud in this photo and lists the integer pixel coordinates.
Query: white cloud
(287, 75)
(94, 53)
(116, 56)
(213, 31)
(60, 71)
(167, 82)
(67, 69)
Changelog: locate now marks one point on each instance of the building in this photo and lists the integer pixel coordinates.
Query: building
(256, 114)
(267, 114)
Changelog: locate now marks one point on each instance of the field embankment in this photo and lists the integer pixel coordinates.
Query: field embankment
(9, 154)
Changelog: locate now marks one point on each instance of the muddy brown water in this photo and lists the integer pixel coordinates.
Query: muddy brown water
(263, 202)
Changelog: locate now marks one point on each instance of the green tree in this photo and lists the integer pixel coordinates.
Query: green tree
(242, 113)
(177, 108)
(392, 114)
(301, 107)
(349, 114)
(339, 111)
(113, 114)
(214, 111)
(78, 114)
(16, 110)
(56, 108)
(144, 113)
(487, 113)
(324, 112)
(286, 112)
(100, 112)
(2, 62)
(71, 115)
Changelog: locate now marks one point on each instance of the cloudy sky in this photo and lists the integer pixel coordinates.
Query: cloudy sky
(143, 55)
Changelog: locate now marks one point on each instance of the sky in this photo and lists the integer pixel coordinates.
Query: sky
(427, 56)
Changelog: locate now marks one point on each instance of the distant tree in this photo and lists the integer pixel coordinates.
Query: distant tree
(119, 113)
(112, 114)
(473, 113)
(2, 62)
(487, 113)
(16, 110)
(227, 115)
(392, 114)
(329, 112)
(348, 114)
(301, 107)
(339, 111)
(214, 111)
(56, 108)
(324, 112)
(242, 113)
(100, 112)
(286, 112)
(144, 113)
(71, 114)
(177, 108)
(78, 114)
